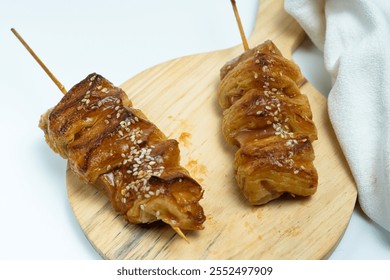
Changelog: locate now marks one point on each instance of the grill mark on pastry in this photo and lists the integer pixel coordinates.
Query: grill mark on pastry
(66, 104)
(112, 125)
(93, 144)
(75, 116)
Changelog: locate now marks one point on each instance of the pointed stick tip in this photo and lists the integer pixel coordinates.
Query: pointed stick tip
(180, 233)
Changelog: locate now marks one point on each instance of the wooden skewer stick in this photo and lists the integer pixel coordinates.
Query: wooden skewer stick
(62, 88)
(180, 233)
(52, 77)
(242, 33)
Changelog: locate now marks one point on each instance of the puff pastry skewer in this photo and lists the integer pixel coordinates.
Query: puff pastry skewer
(115, 147)
(270, 121)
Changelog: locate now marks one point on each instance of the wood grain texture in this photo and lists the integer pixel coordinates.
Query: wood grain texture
(179, 96)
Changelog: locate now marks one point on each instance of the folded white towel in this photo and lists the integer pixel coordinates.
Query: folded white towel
(355, 38)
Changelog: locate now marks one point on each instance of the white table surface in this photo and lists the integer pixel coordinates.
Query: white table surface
(118, 39)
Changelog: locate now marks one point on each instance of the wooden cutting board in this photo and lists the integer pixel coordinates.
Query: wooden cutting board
(180, 97)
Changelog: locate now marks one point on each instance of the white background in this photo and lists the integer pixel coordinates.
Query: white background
(118, 39)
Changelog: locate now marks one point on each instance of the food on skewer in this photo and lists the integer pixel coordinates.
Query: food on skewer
(114, 146)
(270, 121)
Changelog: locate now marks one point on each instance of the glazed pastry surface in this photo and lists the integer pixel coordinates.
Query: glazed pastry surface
(114, 146)
(270, 121)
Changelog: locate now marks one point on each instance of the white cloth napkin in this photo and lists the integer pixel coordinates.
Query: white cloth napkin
(355, 38)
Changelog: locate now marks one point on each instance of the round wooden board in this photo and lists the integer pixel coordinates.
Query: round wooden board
(179, 96)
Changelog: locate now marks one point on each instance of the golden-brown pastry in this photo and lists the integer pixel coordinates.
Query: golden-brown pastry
(112, 145)
(270, 120)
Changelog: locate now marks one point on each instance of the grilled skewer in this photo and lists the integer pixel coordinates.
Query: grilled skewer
(270, 121)
(112, 145)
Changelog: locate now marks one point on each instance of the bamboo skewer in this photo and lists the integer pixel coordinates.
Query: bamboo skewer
(64, 91)
(180, 233)
(37, 59)
(242, 33)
